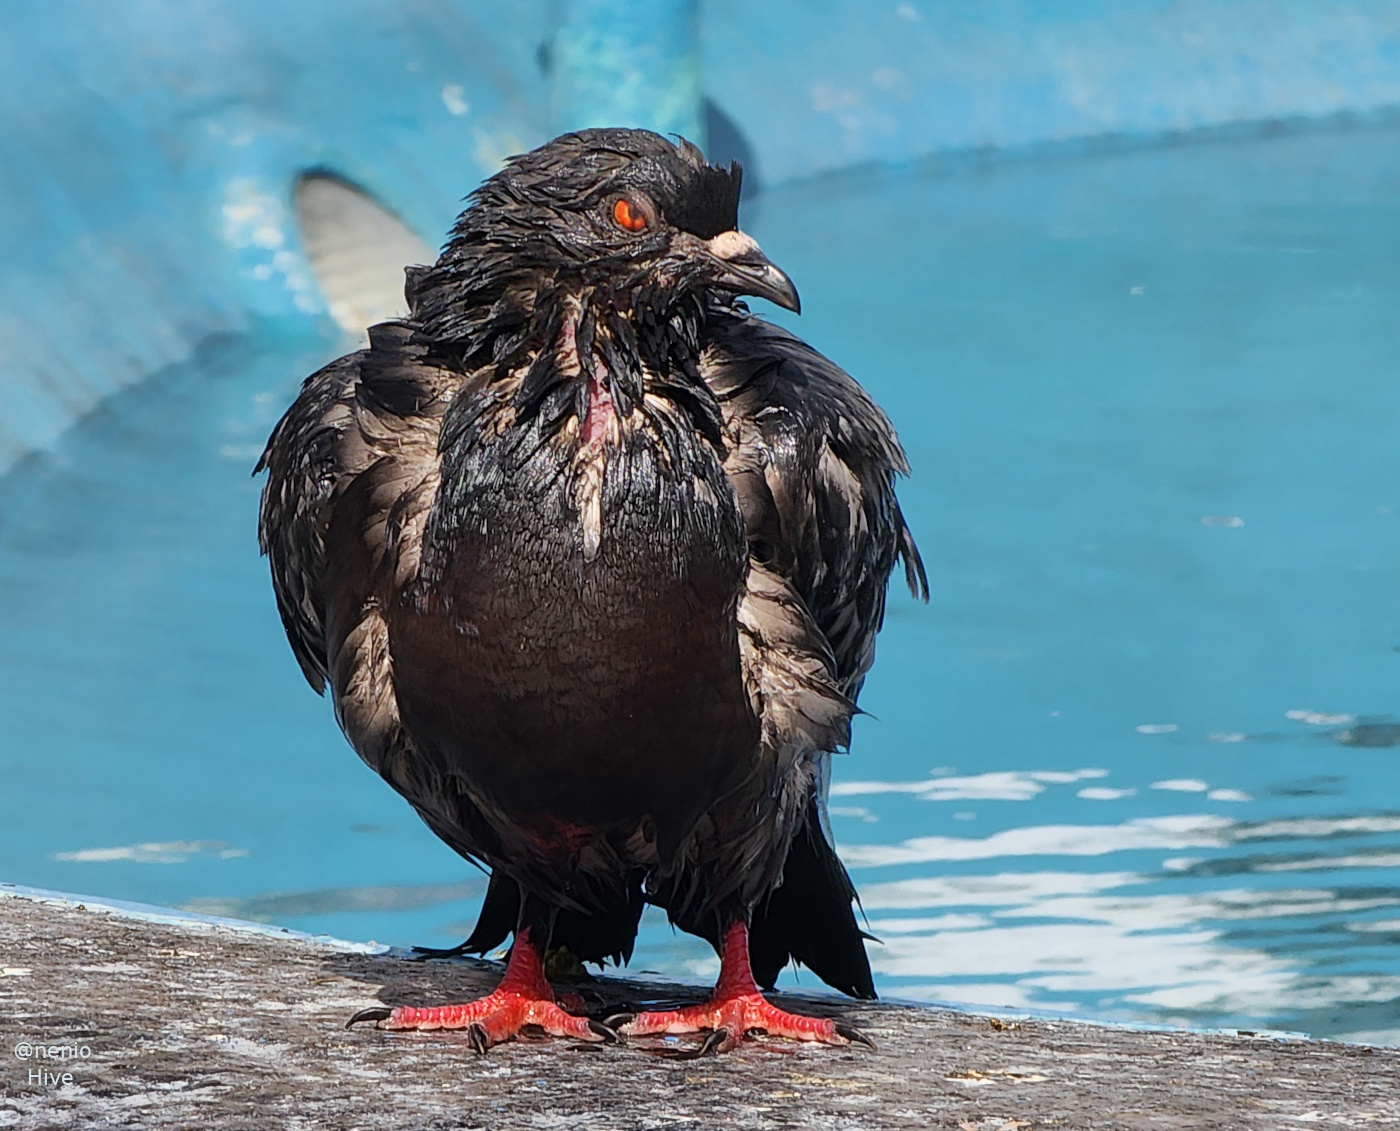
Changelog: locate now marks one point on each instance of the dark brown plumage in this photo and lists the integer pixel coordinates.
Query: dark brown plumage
(593, 560)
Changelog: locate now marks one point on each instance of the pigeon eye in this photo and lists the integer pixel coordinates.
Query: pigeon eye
(630, 215)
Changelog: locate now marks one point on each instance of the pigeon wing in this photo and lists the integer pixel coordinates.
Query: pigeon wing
(814, 461)
(369, 418)
(352, 471)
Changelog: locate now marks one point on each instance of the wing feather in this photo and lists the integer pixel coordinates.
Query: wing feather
(814, 461)
(352, 472)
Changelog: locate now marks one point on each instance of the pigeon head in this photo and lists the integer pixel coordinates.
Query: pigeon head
(619, 221)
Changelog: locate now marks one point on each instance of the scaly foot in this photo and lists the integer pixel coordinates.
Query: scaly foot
(736, 1008)
(492, 1020)
(730, 1019)
(523, 998)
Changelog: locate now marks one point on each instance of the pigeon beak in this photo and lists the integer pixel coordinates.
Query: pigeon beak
(745, 270)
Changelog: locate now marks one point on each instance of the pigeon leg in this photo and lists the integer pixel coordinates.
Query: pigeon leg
(737, 1007)
(523, 998)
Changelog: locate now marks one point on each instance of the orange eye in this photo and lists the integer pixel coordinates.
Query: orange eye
(629, 216)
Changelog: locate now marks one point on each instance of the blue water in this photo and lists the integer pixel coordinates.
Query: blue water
(1137, 759)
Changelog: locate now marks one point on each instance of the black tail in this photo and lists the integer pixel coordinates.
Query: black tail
(589, 938)
(809, 918)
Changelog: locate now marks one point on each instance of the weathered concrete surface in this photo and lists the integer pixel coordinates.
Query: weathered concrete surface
(203, 1026)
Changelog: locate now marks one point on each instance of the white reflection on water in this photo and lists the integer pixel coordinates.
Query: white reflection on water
(152, 852)
(1003, 889)
(1097, 947)
(1001, 785)
(1191, 831)
(1318, 827)
(1133, 944)
(1328, 863)
(1319, 718)
(1387, 925)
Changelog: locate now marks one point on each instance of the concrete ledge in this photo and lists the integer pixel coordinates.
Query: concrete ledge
(203, 1023)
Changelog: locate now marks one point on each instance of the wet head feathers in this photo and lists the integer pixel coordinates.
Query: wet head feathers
(543, 225)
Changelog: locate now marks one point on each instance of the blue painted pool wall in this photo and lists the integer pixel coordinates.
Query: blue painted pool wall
(149, 147)
(615, 64)
(821, 84)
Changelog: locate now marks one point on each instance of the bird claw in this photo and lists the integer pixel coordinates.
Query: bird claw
(607, 1031)
(374, 1013)
(478, 1038)
(721, 1040)
(854, 1035)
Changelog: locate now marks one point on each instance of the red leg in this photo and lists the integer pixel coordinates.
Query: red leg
(524, 997)
(737, 1006)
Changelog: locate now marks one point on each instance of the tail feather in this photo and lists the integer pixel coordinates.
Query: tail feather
(810, 918)
(609, 935)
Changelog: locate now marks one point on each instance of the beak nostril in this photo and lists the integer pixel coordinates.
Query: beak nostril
(733, 245)
(745, 270)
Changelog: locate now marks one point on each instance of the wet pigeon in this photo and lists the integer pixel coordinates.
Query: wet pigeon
(593, 560)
